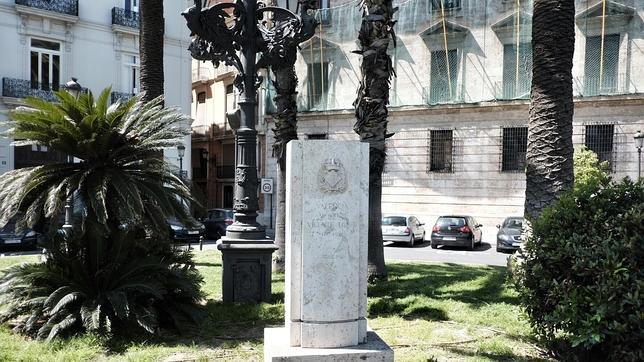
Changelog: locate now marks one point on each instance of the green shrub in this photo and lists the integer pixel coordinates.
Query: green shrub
(588, 168)
(581, 282)
(122, 286)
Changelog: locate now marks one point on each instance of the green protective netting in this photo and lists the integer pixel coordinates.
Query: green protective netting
(468, 51)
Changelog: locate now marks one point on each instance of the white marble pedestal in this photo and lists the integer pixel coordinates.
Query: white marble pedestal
(327, 206)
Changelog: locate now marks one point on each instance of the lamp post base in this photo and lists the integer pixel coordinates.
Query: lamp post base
(247, 269)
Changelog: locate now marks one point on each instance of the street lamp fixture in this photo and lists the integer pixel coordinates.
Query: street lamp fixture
(247, 28)
(639, 139)
(181, 151)
(72, 87)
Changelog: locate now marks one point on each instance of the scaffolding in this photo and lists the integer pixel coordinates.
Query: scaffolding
(469, 51)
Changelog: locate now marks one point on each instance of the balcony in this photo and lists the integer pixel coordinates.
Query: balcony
(226, 171)
(21, 88)
(591, 86)
(202, 74)
(66, 7)
(125, 18)
(120, 96)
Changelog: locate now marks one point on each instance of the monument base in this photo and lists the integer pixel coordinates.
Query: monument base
(276, 348)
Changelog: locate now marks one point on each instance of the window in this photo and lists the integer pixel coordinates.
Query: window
(44, 64)
(517, 76)
(231, 101)
(325, 13)
(446, 5)
(132, 73)
(599, 139)
(440, 151)
(514, 147)
(132, 5)
(201, 106)
(600, 75)
(318, 84)
(316, 136)
(443, 76)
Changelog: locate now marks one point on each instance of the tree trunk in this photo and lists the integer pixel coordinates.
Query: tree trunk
(285, 130)
(151, 33)
(371, 114)
(550, 151)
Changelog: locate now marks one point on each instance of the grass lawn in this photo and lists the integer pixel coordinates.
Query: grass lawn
(444, 312)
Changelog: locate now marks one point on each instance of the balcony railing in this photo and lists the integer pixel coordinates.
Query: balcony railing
(201, 73)
(592, 86)
(226, 171)
(513, 90)
(69, 7)
(21, 88)
(122, 96)
(125, 17)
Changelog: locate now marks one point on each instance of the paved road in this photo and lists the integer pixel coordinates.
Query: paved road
(483, 254)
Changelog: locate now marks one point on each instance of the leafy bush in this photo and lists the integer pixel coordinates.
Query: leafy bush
(115, 270)
(120, 286)
(588, 169)
(582, 278)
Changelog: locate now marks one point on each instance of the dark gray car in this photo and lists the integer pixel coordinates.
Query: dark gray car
(509, 236)
(456, 230)
(216, 222)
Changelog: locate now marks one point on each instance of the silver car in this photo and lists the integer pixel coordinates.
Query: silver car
(402, 229)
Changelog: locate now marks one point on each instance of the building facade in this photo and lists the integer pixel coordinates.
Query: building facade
(46, 42)
(459, 100)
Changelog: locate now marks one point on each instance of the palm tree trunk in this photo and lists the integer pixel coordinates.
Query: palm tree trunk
(550, 151)
(285, 130)
(151, 33)
(371, 115)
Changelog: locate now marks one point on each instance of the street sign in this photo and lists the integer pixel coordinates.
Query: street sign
(267, 186)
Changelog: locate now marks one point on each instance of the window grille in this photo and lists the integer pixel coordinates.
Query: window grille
(440, 151)
(513, 149)
(517, 77)
(599, 139)
(443, 76)
(600, 75)
(316, 136)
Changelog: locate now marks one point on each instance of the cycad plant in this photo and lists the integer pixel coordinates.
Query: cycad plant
(116, 270)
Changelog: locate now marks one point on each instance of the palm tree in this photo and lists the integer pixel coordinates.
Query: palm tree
(151, 32)
(116, 269)
(285, 116)
(371, 114)
(550, 151)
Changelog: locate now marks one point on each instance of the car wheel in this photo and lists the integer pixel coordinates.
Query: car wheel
(411, 240)
(422, 238)
(434, 246)
(471, 246)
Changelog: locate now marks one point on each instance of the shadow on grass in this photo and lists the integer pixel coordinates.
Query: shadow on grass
(500, 356)
(206, 264)
(410, 285)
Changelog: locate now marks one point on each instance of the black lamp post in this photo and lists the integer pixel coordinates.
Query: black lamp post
(74, 89)
(639, 139)
(234, 33)
(181, 151)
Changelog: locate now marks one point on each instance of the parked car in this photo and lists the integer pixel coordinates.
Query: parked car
(216, 222)
(456, 230)
(10, 238)
(190, 232)
(508, 238)
(402, 229)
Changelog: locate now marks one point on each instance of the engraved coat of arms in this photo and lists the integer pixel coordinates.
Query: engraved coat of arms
(332, 177)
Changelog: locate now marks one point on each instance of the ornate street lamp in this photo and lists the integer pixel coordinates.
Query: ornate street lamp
(181, 151)
(74, 89)
(233, 34)
(639, 139)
